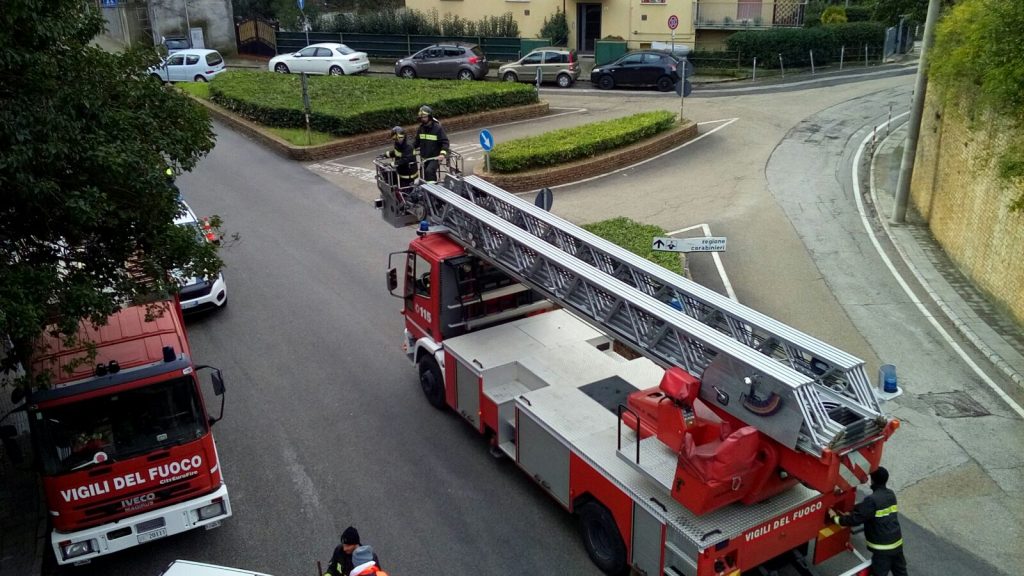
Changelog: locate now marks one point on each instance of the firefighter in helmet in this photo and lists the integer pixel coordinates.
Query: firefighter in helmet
(404, 156)
(431, 143)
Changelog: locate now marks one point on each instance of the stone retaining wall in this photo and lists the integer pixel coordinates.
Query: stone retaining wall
(363, 142)
(597, 165)
(957, 190)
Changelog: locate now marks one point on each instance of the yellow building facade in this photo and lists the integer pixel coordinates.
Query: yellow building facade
(639, 22)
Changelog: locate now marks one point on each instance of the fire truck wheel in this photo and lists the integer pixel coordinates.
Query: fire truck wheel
(432, 382)
(602, 539)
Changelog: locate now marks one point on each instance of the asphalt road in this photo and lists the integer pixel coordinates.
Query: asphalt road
(325, 425)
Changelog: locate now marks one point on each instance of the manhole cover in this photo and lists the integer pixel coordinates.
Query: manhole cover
(954, 405)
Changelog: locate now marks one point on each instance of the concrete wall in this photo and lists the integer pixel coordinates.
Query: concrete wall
(639, 24)
(957, 190)
(215, 17)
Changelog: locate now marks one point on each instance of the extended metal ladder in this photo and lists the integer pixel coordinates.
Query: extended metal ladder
(615, 290)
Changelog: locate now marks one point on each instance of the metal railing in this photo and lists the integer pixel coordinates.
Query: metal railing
(749, 14)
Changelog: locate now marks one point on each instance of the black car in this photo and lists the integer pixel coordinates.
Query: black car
(640, 68)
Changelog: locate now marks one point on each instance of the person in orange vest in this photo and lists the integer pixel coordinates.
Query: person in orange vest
(365, 564)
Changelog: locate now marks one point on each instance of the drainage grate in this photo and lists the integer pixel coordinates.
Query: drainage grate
(954, 405)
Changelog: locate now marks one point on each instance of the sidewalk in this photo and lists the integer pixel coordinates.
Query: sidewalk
(996, 337)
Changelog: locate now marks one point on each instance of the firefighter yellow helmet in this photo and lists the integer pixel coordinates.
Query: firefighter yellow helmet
(398, 133)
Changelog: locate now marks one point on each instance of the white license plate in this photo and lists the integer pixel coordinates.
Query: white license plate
(212, 525)
(147, 536)
(185, 305)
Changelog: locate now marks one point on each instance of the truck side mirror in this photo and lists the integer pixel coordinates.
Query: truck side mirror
(392, 280)
(217, 380)
(9, 435)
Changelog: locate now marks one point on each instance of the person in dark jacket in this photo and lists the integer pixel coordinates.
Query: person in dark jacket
(404, 155)
(878, 513)
(341, 561)
(431, 143)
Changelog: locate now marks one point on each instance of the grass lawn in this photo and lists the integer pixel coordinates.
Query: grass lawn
(197, 89)
(297, 136)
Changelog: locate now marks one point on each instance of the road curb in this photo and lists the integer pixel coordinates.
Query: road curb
(361, 142)
(962, 326)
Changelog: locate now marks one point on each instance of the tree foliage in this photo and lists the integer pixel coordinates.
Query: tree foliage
(981, 43)
(85, 139)
(833, 15)
(556, 29)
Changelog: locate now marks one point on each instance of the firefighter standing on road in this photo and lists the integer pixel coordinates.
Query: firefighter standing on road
(877, 513)
(365, 563)
(404, 155)
(431, 143)
(342, 561)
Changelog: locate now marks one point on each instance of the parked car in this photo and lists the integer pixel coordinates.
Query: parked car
(324, 58)
(559, 65)
(175, 43)
(639, 68)
(198, 292)
(187, 568)
(192, 65)
(452, 60)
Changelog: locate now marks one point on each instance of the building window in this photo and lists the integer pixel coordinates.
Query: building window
(652, 1)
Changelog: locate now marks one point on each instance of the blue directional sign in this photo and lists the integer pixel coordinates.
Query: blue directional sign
(108, 3)
(486, 140)
(302, 4)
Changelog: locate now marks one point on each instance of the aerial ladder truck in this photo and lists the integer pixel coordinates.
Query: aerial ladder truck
(691, 434)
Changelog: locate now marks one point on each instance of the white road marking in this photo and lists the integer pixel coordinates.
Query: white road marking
(333, 167)
(903, 284)
(717, 258)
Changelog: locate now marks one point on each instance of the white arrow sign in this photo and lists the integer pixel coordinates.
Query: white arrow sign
(670, 244)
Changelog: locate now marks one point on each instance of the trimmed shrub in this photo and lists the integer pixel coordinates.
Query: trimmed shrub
(416, 22)
(636, 238)
(347, 105)
(570, 144)
(795, 44)
(833, 15)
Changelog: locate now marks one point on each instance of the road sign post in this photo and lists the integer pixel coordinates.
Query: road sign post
(305, 103)
(487, 143)
(704, 244)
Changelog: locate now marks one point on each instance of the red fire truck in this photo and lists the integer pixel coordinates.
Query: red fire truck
(123, 441)
(690, 434)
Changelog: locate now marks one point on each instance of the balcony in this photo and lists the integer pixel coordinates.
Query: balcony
(748, 14)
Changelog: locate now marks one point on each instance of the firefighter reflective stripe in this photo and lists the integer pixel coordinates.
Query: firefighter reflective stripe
(892, 546)
(428, 137)
(885, 511)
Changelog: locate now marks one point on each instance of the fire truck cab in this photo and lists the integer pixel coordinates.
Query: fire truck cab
(123, 440)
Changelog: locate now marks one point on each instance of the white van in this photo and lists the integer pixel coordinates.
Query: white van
(188, 568)
(192, 65)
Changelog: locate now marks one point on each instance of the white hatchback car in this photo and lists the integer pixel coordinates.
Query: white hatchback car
(192, 65)
(198, 293)
(325, 58)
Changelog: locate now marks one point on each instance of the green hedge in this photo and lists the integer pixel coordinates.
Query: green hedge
(569, 144)
(637, 238)
(347, 105)
(795, 44)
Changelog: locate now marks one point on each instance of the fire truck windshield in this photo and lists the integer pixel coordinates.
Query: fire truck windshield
(120, 425)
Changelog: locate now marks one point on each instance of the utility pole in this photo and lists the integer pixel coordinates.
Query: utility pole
(899, 209)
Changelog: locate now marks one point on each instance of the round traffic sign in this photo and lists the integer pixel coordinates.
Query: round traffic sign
(673, 22)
